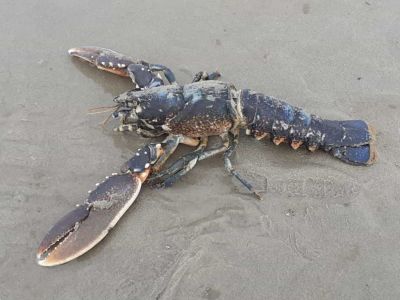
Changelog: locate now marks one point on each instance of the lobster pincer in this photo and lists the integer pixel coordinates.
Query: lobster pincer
(86, 225)
(143, 74)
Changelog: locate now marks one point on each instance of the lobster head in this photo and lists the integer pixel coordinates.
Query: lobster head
(149, 110)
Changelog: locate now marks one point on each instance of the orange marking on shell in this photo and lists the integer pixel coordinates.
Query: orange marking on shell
(296, 144)
(143, 176)
(120, 72)
(278, 140)
(260, 135)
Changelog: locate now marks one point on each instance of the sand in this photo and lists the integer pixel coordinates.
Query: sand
(323, 230)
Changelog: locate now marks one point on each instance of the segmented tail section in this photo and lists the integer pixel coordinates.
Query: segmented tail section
(352, 141)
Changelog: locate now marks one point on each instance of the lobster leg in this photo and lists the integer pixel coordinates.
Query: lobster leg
(179, 168)
(169, 146)
(173, 173)
(228, 165)
(167, 177)
(202, 75)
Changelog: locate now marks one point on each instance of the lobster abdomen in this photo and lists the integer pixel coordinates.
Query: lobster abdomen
(351, 141)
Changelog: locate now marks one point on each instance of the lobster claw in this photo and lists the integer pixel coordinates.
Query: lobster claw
(85, 226)
(104, 59)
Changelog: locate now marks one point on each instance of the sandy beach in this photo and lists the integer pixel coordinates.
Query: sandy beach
(323, 229)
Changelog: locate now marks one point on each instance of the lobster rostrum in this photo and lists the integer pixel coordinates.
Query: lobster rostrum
(188, 114)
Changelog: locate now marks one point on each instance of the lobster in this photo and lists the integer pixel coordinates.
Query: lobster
(188, 114)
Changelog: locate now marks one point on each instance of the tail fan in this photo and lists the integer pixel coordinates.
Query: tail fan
(351, 141)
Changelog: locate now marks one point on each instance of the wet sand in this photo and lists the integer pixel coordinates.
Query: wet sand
(323, 230)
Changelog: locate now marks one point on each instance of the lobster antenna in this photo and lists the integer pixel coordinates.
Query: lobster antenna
(102, 109)
(104, 123)
(116, 108)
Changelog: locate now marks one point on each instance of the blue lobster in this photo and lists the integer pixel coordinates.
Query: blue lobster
(188, 114)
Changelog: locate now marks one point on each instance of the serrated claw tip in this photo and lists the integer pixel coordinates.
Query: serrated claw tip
(86, 225)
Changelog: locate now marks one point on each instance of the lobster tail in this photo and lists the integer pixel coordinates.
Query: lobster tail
(351, 141)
